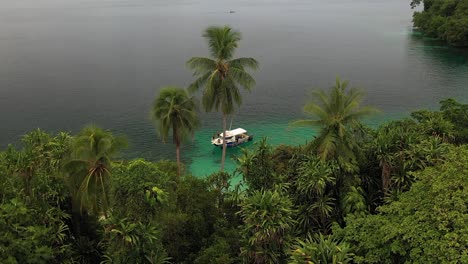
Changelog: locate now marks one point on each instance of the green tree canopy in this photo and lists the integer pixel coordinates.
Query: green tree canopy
(89, 168)
(443, 19)
(321, 249)
(268, 224)
(337, 114)
(175, 110)
(427, 224)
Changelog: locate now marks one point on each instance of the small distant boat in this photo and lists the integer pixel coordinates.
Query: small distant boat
(234, 138)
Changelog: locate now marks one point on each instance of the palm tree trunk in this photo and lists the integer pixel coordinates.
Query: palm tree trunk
(223, 157)
(104, 194)
(385, 176)
(178, 159)
(176, 139)
(323, 219)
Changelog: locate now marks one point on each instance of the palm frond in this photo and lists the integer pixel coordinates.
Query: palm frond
(211, 94)
(201, 65)
(222, 41)
(326, 145)
(322, 99)
(234, 91)
(362, 112)
(315, 110)
(302, 123)
(228, 96)
(241, 77)
(175, 110)
(243, 63)
(199, 82)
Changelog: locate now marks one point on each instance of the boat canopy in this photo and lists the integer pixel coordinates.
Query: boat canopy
(234, 132)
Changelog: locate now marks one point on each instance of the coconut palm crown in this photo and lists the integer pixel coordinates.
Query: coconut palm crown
(89, 167)
(175, 110)
(337, 114)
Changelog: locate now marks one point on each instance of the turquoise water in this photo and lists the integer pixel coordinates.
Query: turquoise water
(205, 158)
(68, 63)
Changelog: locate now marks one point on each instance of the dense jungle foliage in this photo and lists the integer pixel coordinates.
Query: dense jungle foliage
(443, 19)
(401, 197)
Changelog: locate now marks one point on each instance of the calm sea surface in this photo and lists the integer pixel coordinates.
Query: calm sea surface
(68, 63)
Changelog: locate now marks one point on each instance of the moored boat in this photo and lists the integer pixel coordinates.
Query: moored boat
(233, 137)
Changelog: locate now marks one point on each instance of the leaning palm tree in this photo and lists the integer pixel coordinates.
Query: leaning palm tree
(89, 167)
(222, 75)
(175, 110)
(337, 114)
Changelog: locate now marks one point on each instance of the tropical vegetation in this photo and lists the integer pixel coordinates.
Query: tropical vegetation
(70, 199)
(395, 193)
(443, 19)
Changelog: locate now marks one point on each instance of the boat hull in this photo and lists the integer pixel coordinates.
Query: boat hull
(233, 138)
(232, 143)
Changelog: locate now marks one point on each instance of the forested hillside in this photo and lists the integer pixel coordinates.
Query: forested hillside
(443, 19)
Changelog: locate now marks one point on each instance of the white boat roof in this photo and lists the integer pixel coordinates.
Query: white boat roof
(234, 132)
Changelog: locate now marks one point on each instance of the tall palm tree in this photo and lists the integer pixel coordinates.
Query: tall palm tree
(175, 110)
(221, 75)
(337, 114)
(89, 167)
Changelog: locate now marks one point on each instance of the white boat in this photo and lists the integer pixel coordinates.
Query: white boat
(234, 138)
